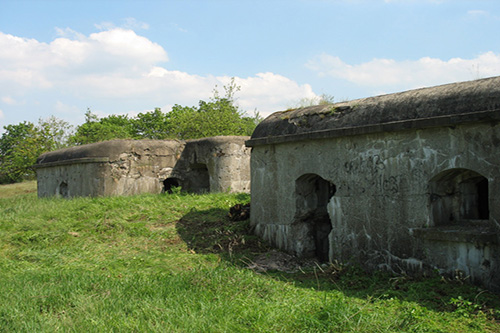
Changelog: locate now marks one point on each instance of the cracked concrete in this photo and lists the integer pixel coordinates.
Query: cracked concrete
(127, 167)
(383, 154)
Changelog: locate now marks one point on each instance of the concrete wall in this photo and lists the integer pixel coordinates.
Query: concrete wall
(381, 192)
(86, 179)
(359, 182)
(127, 167)
(217, 164)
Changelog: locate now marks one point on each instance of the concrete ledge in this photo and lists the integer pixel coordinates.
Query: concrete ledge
(73, 161)
(459, 234)
(439, 121)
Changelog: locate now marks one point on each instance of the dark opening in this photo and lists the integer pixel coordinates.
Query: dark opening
(457, 196)
(199, 178)
(312, 196)
(63, 190)
(483, 202)
(169, 184)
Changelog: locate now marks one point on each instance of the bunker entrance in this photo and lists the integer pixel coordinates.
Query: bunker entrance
(312, 196)
(170, 183)
(199, 178)
(62, 190)
(457, 196)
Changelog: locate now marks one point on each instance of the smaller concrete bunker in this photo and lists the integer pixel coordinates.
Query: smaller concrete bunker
(127, 167)
(408, 182)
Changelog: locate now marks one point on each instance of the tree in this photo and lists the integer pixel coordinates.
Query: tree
(20, 146)
(152, 125)
(108, 128)
(56, 132)
(219, 116)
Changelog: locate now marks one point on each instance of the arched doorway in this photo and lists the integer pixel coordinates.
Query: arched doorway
(62, 190)
(199, 178)
(170, 183)
(312, 196)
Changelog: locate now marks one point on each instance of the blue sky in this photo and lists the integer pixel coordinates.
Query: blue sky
(124, 57)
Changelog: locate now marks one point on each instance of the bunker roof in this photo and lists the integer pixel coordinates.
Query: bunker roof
(107, 151)
(444, 105)
(219, 140)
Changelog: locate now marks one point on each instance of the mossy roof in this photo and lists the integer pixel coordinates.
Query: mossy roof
(447, 103)
(111, 150)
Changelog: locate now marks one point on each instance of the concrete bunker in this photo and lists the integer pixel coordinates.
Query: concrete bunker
(312, 196)
(415, 175)
(127, 167)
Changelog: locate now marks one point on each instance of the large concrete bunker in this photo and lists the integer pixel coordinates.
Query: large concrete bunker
(408, 182)
(127, 167)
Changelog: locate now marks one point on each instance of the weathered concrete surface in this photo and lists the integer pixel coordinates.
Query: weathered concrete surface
(127, 167)
(382, 176)
(216, 164)
(118, 167)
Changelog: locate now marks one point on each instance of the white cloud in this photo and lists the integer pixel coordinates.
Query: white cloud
(477, 13)
(386, 75)
(105, 26)
(1, 114)
(121, 68)
(9, 100)
(177, 27)
(63, 108)
(128, 23)
(269, 92)
(132, 23)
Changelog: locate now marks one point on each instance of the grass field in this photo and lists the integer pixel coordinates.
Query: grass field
(176, 263)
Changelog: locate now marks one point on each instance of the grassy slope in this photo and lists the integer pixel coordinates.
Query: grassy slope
(175, 263)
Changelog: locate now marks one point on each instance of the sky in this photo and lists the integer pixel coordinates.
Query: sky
(61, 58)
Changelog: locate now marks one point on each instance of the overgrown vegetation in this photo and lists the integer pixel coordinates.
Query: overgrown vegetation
(21, 144)
(176, 263)
(323, 99)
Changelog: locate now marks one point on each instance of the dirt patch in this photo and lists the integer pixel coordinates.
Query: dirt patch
(279, 261)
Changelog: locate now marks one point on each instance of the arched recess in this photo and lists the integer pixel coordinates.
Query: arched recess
(312, 196)
(62, 190)
(170, 183)
(199, 178)
(458, 196)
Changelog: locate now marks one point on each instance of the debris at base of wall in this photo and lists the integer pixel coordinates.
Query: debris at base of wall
(239, 212)
(279, 261)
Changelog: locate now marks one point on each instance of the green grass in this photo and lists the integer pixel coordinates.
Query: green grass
(175, 263)
(11, 190)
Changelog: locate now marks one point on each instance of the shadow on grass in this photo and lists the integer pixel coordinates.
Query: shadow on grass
(212, 231)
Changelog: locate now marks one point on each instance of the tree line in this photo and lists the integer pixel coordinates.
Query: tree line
(21, 144)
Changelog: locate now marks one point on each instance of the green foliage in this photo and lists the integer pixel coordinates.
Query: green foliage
(163, 263)
(56, 132)
(20, 146)
(465, 307)
(219, 116)
(108, 128)
(152, 125)
(323, 99)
